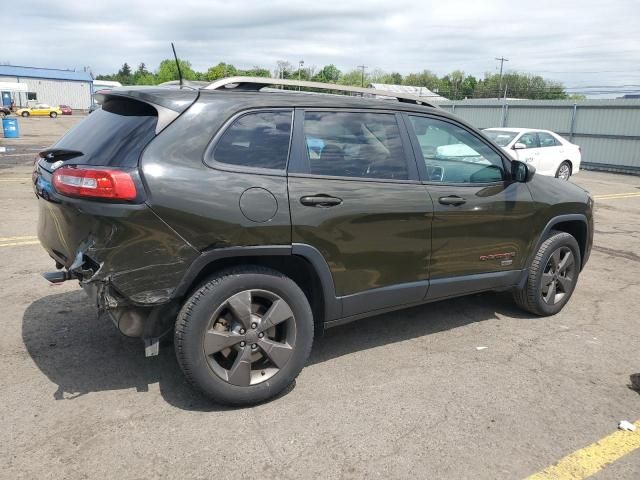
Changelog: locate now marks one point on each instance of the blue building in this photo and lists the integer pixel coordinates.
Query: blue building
(45, 85)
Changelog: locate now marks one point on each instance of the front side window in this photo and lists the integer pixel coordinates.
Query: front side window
(257, 140)
(351, 144)
(529, 140)
(453, 155)
(547, 140)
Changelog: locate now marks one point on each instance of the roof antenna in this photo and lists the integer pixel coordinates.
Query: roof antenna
(177, 63)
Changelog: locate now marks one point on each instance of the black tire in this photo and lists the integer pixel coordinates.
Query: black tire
(25, 114)
(532, 297)
(564, 171)
(197, 320)
(53, 114)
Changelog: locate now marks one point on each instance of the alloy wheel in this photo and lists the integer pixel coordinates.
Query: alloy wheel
(564, 172)
(558, 276)
(250, 337)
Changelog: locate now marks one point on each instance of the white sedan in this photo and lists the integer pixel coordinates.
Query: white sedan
(548, 152)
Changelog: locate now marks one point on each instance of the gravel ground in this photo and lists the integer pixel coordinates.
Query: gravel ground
(407, 394)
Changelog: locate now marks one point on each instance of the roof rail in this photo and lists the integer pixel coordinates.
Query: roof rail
(256, 83)
(192, 84)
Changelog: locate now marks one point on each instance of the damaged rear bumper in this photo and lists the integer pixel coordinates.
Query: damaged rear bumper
(126, 258)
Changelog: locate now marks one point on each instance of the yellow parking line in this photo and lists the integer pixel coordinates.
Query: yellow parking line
(15, 244)
(10, 239)
(590, 460)
(25, 179)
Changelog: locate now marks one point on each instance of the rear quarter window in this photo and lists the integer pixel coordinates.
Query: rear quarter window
(256, 140)
(113, 136)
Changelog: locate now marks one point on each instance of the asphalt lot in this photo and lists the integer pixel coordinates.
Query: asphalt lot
(407, 394)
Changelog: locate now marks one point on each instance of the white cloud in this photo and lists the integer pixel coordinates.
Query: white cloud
(561, 40)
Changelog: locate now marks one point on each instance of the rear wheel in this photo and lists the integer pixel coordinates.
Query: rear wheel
(552, 276)
(244, 336)
(25, 114)
(53, 114)
(564, 171)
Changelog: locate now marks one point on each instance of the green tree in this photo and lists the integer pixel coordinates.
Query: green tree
(256, 71)
(426, 78)
(354, 78)
(283, 69)
(221, 70)
(396, 78)
(328, 74)
(451, 85)
(469, 86)
(142, 76)
(167, 71)
(145, 79)
(110, 77)
(519, 85)
(124, 74)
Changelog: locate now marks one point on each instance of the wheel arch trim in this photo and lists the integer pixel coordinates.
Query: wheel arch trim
(569, 217)
(332, 304)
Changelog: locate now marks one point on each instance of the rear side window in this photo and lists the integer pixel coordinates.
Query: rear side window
(547, 140)
(350, 144)
(114, 135)
(529, 140)
(256, 140)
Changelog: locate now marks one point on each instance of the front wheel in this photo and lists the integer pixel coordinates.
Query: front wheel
(564, 171)
(53, 114)
(244, 336)
(25, 114)
(552, 276)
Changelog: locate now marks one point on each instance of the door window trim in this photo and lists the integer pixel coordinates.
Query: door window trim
(419, 159)
(209, 160)
(299, 165)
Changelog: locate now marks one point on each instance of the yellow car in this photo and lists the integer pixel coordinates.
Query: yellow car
(40, 110)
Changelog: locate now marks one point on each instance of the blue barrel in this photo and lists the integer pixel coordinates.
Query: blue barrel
(10, 127)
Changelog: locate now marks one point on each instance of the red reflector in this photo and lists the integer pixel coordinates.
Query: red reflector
(94, 183)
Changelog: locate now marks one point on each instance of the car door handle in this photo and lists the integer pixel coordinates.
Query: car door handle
(320, 201)
(452, 200)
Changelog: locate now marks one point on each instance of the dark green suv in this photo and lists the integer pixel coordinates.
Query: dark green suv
(247, 221)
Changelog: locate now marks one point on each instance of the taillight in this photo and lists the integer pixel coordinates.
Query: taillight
(94, 183)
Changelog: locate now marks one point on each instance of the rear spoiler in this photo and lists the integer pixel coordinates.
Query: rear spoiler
(169, 103)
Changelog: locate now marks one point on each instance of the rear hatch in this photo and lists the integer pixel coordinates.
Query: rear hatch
(90, 193)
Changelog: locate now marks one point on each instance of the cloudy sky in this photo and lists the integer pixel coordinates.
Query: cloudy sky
(583, 43)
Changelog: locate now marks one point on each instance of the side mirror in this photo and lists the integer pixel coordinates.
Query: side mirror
(519, 146)
(522, 172)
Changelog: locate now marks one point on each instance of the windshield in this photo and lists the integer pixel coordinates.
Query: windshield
(501, 137)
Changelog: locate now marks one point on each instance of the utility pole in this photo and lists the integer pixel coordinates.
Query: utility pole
(502, 60)
(362, 67)
(300, 64)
